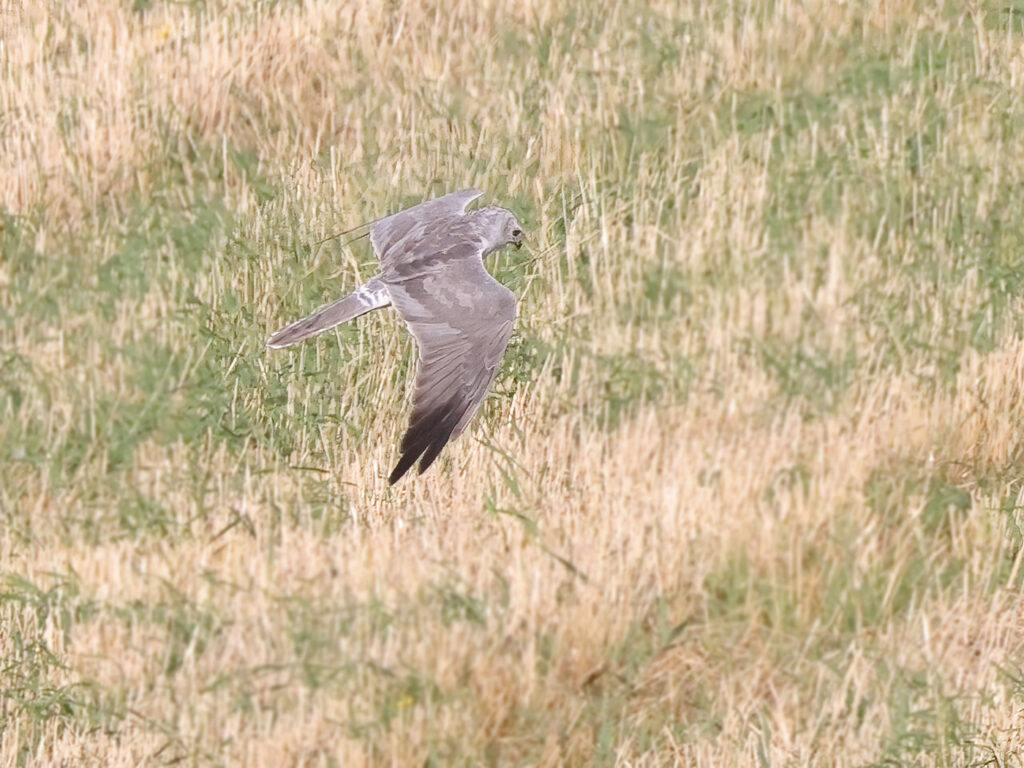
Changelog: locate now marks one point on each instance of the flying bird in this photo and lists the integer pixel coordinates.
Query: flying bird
(432, 272)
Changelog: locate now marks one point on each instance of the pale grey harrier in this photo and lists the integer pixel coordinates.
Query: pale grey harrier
(432, 270)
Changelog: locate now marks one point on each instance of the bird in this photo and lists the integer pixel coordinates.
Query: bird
(432, 272)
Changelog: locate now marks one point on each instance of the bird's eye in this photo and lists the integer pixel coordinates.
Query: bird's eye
(517, 233)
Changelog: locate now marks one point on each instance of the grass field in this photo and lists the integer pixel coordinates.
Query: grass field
(750, 486)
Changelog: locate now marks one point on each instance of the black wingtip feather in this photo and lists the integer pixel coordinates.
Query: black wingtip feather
(401, 468)
(427, 435)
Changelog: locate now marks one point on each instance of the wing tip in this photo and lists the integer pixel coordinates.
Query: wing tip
(469, 194)
(406, 463)
(400, 469)
(426, 437)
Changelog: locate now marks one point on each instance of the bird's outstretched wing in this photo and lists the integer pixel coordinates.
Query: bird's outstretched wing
(462, 319)
(409, 226)
(400, 233)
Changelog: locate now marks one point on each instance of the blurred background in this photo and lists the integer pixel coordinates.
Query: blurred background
(748, 487)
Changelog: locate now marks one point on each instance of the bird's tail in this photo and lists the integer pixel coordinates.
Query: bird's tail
(369, 296)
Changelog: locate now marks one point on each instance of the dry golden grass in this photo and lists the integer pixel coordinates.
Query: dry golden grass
(749, 489)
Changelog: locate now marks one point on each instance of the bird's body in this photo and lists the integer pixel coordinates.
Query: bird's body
(432, 271)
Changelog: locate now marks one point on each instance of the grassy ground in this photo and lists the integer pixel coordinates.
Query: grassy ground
(749, 489)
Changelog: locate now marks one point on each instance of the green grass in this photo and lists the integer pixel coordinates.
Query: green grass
(746, 491)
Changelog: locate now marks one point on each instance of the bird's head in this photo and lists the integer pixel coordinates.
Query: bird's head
(500, 227)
